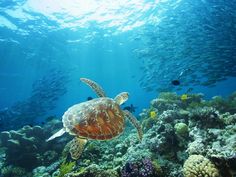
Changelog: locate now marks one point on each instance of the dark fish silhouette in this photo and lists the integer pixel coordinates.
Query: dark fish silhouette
(89, 98)
(175, 82)
(130, 108)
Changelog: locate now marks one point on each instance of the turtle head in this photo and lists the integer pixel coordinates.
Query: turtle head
(121, 98)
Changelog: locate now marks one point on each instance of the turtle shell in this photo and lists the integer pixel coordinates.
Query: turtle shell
(100, 118)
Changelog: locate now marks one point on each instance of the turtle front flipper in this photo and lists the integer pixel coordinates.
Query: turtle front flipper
(77, 147)
(134, 122)
(97, 88)
(121, 98)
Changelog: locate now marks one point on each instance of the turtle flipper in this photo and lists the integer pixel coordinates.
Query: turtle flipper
(121, 98)
(57, 134)
(97, 88)
(134, 122)
(77, 147)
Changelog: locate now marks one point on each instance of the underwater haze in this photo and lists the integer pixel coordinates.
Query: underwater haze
(175, 58)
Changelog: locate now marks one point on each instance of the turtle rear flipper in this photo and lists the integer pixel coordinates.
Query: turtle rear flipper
(57, 134)
(77, 147)
(97, 88)
(134, 122)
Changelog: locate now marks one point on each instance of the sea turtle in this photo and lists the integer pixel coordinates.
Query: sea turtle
(99, 119)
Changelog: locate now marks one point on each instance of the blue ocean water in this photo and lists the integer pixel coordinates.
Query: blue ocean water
(138, 46)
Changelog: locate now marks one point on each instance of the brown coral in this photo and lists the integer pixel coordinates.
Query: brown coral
(198, 165)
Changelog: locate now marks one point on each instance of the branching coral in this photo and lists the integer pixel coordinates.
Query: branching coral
(205, 117)
(224, 105)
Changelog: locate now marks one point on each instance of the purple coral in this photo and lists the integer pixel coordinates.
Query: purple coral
(143, 168)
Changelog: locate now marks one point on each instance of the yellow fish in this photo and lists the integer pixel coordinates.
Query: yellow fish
(153, 114)
(184, 97)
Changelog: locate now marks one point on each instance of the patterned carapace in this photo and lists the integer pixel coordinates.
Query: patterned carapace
(100, 119)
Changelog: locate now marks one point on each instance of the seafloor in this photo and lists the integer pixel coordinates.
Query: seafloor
(184, 136)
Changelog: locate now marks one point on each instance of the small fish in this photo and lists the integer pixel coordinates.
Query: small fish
(153, 114)
(184, 97)
(175, 82)
(89, 98)
(130, 108)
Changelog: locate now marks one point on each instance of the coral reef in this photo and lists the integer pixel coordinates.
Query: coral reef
(198, 165)
(27, 148)
(22, 146)
(13, 171)
(43, 171)
(224, 105)
(207, 117)
(93, 171)
(66, 168)
(166, 101)
(142, 168)
(190, 137)
(181, 129)
(195, 127)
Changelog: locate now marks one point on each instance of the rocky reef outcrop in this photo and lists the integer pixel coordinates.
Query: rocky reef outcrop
(27, 148)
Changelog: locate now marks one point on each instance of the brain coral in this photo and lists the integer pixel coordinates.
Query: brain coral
(198, 165)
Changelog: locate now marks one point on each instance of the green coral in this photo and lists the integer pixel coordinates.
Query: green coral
(66, 168)
(157, 168)
(181, 129)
